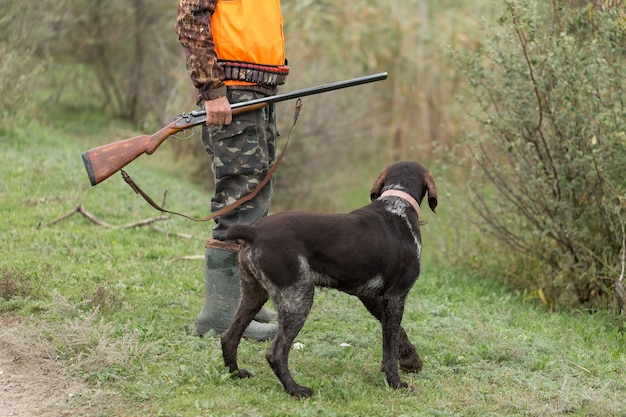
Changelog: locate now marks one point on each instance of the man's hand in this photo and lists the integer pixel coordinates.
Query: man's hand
(218, 111)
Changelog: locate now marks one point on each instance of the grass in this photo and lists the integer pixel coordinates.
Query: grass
(117, 308)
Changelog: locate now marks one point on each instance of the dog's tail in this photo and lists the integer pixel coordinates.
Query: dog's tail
(241, 231)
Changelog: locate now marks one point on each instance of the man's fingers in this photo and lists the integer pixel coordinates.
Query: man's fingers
(224, 119)
(218, 111)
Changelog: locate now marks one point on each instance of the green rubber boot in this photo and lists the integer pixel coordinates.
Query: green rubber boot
(222, 295)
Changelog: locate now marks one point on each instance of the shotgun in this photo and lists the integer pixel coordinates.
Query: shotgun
(106, 160)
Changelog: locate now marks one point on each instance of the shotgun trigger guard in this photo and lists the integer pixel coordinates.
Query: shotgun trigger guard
(187, 121)
(185, 134)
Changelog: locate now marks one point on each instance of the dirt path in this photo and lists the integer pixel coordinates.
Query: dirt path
(32, 384)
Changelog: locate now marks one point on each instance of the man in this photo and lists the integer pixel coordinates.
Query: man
(235, 52)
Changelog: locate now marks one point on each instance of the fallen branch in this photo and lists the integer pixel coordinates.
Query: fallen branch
(79, 209)
(188, 258)
(620, 291)
(146, 222)
(167, 232)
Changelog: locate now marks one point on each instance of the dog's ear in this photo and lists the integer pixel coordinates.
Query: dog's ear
(432, 191)
(377, 188)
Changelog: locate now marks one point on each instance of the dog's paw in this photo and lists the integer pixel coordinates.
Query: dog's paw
(408, 389)
(402, 385)
(397, 384)
(411, 363)
(300, 392)
(242, 373)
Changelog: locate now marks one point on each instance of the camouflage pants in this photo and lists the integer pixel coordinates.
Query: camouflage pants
(241, 154)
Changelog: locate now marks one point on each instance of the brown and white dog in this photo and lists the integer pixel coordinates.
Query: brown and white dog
(372, 253)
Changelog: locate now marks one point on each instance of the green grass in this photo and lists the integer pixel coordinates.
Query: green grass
(118, 309)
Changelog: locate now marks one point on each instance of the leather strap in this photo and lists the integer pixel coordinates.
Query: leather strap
(230, 207)
(222, 245)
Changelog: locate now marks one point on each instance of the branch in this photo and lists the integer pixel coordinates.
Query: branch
(188, 258)
(618, 287)
(621, 276)
(79, 209)
(167, 232)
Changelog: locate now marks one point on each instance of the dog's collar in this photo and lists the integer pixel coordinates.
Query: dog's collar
(405, 196)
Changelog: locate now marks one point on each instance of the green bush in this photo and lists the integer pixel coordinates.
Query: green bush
(19, 67)
(551, 146)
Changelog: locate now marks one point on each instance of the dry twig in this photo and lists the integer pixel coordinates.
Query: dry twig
(620, 291)
(188, 258)
(79, 209)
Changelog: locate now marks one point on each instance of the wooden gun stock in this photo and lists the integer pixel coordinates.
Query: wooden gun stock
(106, 160)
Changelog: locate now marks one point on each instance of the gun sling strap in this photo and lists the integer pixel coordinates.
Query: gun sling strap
(230, 207)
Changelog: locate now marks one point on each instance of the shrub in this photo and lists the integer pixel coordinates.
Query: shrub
(551, 145)
(19, 66)
(16, 286)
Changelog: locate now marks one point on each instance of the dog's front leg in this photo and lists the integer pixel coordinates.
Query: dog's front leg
(393, 308)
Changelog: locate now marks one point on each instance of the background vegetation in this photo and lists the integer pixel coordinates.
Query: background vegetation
(517, 107)
(551, 142)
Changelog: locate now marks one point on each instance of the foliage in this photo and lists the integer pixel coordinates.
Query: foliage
(19, 67)
(549, 80)
(118, 56)
(399, 118)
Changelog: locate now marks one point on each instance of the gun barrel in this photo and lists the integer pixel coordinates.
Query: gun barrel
(313, 90)
(198, 116)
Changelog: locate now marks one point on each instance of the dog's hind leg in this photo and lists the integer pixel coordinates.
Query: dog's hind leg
(293, 304)
(253, 297)
(410, 360)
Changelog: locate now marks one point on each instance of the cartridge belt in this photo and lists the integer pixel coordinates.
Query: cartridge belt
(254, 73)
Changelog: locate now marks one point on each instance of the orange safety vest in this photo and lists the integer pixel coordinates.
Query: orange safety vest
(249, 31)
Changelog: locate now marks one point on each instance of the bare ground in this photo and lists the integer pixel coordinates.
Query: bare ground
(35, 384)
